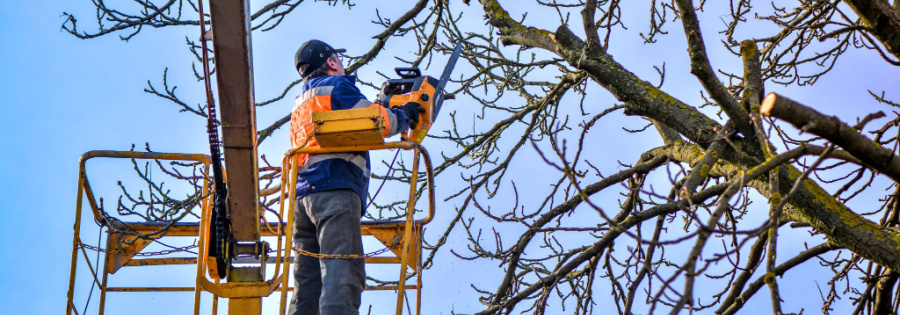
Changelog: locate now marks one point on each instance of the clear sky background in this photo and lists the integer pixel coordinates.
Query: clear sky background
(63, 96)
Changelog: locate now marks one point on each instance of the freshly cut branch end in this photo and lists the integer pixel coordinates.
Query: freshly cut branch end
(767, 104)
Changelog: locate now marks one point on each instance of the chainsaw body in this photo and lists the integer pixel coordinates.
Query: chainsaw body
(412, 86)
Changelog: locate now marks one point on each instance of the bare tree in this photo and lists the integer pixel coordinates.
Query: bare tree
(681, 236)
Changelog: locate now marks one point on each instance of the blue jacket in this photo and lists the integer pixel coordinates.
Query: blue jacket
(329, 171)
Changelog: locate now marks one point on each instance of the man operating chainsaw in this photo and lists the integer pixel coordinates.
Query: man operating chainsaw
(332, 187)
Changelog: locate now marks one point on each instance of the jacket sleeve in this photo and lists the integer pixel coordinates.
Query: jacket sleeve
(347, 96)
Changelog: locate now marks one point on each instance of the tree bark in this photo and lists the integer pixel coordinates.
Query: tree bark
(881, 20)
(884, 293)
(817, 206)
(701, 68)
(809, 120)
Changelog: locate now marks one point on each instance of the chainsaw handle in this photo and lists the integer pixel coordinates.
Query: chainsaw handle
(408, 72)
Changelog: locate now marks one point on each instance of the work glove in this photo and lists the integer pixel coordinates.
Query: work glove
(412, 110)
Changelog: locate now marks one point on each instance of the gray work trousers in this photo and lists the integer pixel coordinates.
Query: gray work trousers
(328, 222)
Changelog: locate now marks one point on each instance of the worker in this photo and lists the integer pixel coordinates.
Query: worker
(332, 187)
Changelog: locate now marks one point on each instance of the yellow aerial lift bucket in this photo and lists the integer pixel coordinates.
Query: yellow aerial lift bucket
(402, 238)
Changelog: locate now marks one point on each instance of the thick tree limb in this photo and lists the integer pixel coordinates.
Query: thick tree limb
(823, 212)
(513, 32)
(753, 92)
(881, 20)
(668, 135)
(832, 129)
(812, 204)
(700, 171)
(640, 97)
(587, 17)
(841, 225)
(834, 219)
(702, 69)
(884, 293)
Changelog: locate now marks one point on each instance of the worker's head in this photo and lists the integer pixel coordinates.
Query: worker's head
(315, 58)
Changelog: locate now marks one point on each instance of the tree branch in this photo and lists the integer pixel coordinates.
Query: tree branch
(809, 120)
(701, 68)
(881, 20)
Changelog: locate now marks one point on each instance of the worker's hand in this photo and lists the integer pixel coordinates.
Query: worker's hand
(412, 110)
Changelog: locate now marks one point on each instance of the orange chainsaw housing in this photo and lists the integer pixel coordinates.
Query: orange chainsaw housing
(420, 89)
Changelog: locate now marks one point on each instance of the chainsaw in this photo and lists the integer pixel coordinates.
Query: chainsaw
(363, 126)
(412, 86)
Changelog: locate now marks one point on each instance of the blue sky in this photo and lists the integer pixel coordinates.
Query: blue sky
(64, 96)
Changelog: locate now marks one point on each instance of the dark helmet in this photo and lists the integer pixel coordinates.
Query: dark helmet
(314, 53)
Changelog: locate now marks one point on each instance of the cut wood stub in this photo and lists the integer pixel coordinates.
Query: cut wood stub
(767, 104)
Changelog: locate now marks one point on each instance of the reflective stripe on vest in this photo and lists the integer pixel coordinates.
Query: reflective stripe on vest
(313, 92)
(318, 99)
(314, 100)
(390, 121)
(363, 103)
